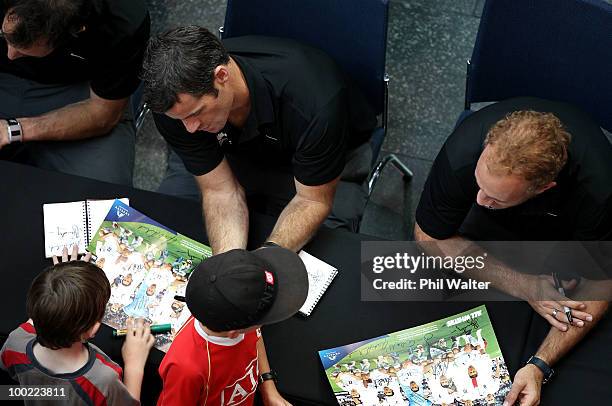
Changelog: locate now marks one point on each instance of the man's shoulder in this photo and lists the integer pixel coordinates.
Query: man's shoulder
(254, 46)
(288, 64)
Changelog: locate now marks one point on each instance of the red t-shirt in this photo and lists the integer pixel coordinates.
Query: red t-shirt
(206, 370)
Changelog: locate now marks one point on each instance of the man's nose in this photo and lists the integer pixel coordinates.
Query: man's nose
(13, 53)
(191, 125)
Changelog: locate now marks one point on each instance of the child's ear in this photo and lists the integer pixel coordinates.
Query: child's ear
(91, 332)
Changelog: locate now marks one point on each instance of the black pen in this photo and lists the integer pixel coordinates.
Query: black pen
(559, 287)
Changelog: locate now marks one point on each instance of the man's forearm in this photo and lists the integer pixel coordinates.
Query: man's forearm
(500, 275)
(227, 219)
(85, 119)
(298, 222)
(558, 343)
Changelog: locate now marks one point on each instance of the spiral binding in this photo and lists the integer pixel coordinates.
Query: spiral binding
(87, 215)
(322, 291)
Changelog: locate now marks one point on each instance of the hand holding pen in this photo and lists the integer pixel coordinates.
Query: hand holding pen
(546, 294)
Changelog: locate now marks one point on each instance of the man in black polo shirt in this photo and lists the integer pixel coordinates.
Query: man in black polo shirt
(67, 69)
(524, 169)
(265, 116)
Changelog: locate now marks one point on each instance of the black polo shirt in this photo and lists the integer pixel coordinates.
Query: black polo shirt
(578, 208)
(304, 114)
(108, 53)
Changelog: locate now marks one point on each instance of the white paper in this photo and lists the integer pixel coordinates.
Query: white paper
(64, 227)
(66, 223)
(320, 275)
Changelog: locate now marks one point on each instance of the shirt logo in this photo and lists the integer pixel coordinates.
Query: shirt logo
(242, 388)
(222, 138)
(269, 278)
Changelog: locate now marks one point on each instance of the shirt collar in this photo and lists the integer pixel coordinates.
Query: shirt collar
(224, 341)
(262, 106)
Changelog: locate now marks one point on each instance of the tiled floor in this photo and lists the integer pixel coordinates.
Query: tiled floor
(428, 44)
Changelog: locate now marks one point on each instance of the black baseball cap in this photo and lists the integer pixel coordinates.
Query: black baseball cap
(239, 289)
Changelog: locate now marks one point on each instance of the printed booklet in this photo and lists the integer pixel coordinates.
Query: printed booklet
(453, 361)
(147, 264)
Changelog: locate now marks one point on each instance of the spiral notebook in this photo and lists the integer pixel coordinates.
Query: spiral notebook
(73, 223)
(320, 276)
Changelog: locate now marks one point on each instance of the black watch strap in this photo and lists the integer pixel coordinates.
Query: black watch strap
(266, 376)
(543, 366)
(268, 244)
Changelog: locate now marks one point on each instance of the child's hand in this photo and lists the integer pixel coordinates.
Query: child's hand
(138, 343)
(74, 255)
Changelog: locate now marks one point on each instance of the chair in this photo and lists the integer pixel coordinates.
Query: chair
(553, 49)
(332, 26)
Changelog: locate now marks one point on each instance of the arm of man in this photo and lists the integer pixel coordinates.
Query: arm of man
(225, 210)
(268, 390)
(531, 288)
(92, 117)
(528, 380)
(304, 214)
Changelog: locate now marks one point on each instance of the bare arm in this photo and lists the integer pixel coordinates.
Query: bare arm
(268, 390)
(500, 276)
(528, 380)
(301, 218)
(225, 210)
(558, 343)
(88, 118)
(537, 290)
(135, 350)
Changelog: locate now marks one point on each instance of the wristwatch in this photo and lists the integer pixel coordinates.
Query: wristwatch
(543, 366)
(13, 130)
(269, 244)
(266, 376)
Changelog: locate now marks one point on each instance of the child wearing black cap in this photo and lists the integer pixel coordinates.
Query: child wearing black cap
(218, 357)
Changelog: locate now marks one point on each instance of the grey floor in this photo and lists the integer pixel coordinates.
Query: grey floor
(428, 44)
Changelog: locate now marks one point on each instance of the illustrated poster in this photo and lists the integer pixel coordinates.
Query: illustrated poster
(147, 264)
(453, 361)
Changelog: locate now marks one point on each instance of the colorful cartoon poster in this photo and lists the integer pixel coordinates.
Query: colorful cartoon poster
(453, 361)
(147, 264)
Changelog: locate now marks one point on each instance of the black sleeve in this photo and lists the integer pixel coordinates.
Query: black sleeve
(199, 151)
(445, 200)
(116, 74)
(321, 152)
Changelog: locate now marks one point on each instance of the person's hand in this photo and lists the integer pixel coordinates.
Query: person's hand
(74, 255)
(138, 343)
(270, 395)
(526, 388)
(541, 294)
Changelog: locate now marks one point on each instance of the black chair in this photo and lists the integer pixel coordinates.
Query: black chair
(552, 49)
(353, 33)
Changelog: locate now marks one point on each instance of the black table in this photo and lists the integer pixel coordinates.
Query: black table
(340, 318)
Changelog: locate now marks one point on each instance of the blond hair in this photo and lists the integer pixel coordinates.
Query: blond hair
(529, 144)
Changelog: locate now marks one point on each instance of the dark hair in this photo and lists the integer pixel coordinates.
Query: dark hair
(65, 301)
(181, 60)
(53, 21)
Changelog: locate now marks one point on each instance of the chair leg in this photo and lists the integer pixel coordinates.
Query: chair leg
(394, 160)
